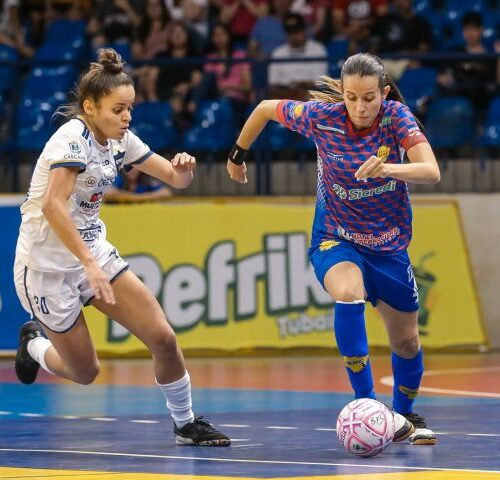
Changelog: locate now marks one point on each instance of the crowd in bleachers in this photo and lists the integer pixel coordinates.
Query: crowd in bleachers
(199, 65)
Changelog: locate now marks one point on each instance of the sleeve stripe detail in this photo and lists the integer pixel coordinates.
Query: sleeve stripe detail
(68, 164)
(279, 112)
(413, 140)
(128, 166)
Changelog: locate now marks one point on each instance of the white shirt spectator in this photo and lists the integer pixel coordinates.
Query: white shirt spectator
(286, 73)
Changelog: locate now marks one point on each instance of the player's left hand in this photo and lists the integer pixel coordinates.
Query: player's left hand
(183, 162)
(374, 167)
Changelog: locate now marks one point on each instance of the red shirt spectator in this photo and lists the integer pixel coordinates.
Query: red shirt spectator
(241, 15)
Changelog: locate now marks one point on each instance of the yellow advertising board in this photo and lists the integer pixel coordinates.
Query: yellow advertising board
(235, 275)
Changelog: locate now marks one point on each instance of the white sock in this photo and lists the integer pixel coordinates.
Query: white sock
(37, 349)
(178, 396)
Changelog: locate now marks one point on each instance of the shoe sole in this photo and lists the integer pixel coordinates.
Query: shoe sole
(181, 441)
(424, 441)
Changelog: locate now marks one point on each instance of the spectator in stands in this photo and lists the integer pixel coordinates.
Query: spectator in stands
(11, 33)
(229, 78)
(151, 38)
(241, 16)
(474, 79)
(401, 31)
(354, 20)
(136, 186)
(114, 22)
(175, 82)
(293, 79)
(268, 32)
(317, 15)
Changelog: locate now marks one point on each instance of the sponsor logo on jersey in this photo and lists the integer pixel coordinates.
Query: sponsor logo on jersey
(356, 364)
(335, 157)
(93, 203)
(358, 193)
(118, 155)
(383, 152)
(328, 244)
(104, 182)
(330, 129)
(74, 147)
(387, 120)
(90, 182)
(298, 110)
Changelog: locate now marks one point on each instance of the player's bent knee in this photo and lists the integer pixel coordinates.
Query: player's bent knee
(164, 344)
(348, 295)
(406, 347)
(87, 375)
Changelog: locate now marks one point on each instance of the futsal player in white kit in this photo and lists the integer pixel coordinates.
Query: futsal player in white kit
(63, 260)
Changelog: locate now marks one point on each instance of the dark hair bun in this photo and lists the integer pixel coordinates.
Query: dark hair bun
(110, 60)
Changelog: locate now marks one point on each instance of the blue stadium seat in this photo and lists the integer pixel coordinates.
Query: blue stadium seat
(450, 122)
(491, 135)
(337, 53)
(213, 128)
(123, 48)
(7, 73)
(416, 85)
(47, 82)
(153, 123)
(34, 124)
(51, 53)
(65, 31)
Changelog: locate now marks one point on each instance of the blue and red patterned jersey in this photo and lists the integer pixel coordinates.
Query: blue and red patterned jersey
(374, 215)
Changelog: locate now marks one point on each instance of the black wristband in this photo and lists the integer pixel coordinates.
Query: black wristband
(238, 155)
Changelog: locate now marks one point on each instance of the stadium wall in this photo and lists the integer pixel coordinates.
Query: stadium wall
(254, 233)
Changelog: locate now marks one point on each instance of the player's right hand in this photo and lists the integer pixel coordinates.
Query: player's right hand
(99, 282)
(238, 173)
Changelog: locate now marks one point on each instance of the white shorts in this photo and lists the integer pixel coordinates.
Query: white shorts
(56, 299)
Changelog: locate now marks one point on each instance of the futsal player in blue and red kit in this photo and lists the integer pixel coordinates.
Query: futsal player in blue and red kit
(362, 225)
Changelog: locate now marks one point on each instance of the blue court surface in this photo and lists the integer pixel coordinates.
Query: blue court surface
(276, 434)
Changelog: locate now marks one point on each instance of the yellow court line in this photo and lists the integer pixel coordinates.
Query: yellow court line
(45, 474)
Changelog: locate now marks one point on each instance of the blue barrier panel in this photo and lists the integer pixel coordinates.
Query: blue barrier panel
(12, 315)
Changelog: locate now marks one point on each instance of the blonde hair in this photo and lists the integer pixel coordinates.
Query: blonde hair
(362, 64)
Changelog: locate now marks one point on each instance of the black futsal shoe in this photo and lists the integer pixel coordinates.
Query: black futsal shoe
(201, 433)
(26, 367)
(422, 435)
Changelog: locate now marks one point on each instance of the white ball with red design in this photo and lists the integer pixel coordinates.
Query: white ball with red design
(365, 427)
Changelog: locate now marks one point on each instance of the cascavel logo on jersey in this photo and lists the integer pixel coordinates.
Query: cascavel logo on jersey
(383, 152)
(74, 147)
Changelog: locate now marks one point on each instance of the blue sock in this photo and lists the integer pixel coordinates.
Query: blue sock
(407, 376)
(350, 332)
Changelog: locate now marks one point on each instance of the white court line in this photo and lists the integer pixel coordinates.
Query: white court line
(144, 421)
(276, 427)
(103, 419)
(389, 381)
(241, 460)
(326, 429)
(232, 425)
(3, 412)
(246, 445)
(35, 415)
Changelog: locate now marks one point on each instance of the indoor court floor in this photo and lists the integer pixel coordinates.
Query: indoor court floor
(279, 411)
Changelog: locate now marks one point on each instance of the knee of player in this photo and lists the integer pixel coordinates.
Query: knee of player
(349, 294)
(87, 374)
(406, 347)
(164, 343)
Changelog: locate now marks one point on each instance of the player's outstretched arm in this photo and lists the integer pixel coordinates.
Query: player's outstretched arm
(177, 173)
(236, 167)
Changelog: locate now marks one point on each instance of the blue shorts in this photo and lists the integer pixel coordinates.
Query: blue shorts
(386, 277)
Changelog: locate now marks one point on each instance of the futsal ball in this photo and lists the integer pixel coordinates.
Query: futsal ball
(365, 427)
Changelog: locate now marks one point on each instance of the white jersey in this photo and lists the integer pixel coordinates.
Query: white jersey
(73, 145)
